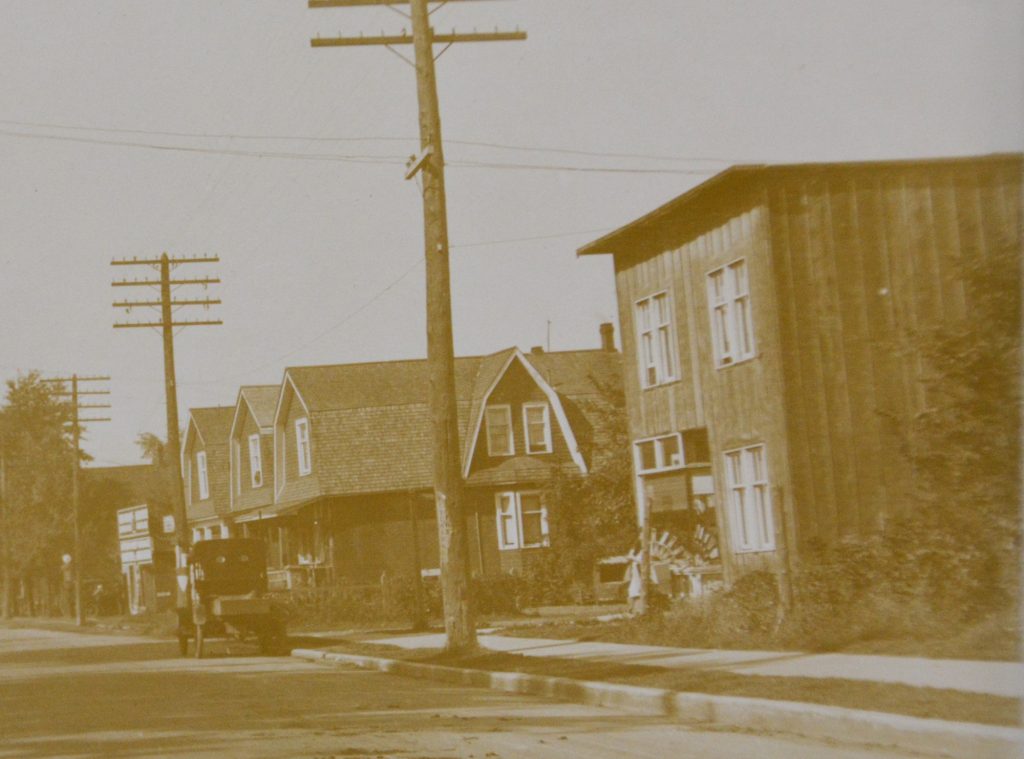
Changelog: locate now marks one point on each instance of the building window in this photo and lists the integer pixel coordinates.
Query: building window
(197, 534)
(654, 333)
(732, 331)
(659, 454)
(522, 521)
(537, 424)
(204, 482)
(499, 431)
(750, 504)
(302, 446)
(255, 461)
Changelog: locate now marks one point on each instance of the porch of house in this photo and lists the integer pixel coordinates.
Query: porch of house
(355, 542)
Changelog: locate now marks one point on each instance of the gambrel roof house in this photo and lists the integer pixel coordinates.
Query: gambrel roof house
(252, 448)
(366, 427)
(206, 468)
(768, 319)
(352, 459)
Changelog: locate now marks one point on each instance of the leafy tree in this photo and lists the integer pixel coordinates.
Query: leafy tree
(590, 517)
(965, 447)
(38, 455)
(153, 448)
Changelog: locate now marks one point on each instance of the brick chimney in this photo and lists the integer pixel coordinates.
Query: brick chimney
(608, 337)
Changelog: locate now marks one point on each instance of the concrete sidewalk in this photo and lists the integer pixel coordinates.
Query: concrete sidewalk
(995, 678)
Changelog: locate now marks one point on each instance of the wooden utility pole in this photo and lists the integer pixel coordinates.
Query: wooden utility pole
(76, 466)
(453, 541)
(5, 536)
(167, 324)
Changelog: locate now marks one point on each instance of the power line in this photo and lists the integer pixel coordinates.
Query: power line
(381, 160)
(482, 243)
(337, 325)
(364, 139)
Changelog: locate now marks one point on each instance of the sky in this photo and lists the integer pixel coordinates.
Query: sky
(131, 128)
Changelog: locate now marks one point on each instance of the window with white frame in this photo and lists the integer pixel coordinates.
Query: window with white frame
(522, 520)
(537, 426)
(201, 476)
(654, 340)
(302, 446)
(732, 330)
(498, 420)
(659, 454)
(255, 461)
(750, 505)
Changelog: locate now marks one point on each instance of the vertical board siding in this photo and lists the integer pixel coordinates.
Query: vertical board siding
(870, 265)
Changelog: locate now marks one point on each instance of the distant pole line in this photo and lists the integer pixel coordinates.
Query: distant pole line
(76, 436)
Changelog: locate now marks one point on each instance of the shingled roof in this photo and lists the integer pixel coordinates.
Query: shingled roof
(213, 423)
(371, 429)
(262, 401)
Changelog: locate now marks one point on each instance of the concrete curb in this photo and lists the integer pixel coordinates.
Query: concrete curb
(930, 736)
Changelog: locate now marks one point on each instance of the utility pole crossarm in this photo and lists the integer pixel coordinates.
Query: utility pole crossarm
(360, 3)
(172, 283)
(148, 325)
(157, 304)
(407, 39)
(171, 261)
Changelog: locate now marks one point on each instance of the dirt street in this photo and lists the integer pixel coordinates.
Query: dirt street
(70, 694)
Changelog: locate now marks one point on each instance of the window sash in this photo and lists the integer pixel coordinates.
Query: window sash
(656, 454)
(537, 430)
(255, 461)
(753, 523)
(731, 316)
(302, 446)
(201, 475)
(508, 523)
(656, 352)
(498, 421)
(522, 520)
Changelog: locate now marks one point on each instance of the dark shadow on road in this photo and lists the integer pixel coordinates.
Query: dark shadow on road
(178, 712)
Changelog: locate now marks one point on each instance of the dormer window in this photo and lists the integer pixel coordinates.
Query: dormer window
(537, 426)
(255, 461)
(201, 476)
(302, 446)
(499, 431)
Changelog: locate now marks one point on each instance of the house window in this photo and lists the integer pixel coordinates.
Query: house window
(750, 502)
(654, 331)
(499, 431)
(659, 454)
(732, 331)
(255, 461)
(302, 446)
(537, 424)
(204, 482)
(522, 520)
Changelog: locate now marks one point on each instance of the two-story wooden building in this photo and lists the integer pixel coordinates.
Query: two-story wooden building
(767, 317)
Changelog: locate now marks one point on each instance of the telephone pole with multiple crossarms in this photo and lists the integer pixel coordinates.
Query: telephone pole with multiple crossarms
(448, 489)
